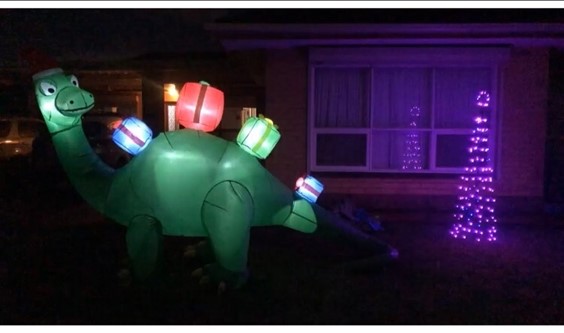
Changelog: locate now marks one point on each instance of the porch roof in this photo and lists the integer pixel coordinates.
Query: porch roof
(240, 36)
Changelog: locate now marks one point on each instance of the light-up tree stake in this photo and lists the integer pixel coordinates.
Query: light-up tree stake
(476, 218)
(412, 155)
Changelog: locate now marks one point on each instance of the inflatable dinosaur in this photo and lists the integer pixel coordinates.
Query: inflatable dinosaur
(185, 183)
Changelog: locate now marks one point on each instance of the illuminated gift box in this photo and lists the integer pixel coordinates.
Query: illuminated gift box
(132, 135)
(258, 136)
(199, 106)
(309, 188)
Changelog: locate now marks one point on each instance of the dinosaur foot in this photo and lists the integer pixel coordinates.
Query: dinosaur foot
(200, 251)
(215, 275)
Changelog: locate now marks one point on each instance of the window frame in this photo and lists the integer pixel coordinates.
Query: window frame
(403, 57)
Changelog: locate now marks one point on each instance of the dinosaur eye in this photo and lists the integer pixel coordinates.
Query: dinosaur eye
(74, 80)
(47, 88)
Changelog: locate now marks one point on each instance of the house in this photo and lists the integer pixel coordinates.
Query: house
(347, 97)
(135, 86)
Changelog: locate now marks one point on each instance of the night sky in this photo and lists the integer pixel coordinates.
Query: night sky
(105, 34)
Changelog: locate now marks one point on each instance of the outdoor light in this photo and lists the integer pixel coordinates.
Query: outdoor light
(114, 124)
(132, 135)
(475, 215)
(199, 106)
(170, 92)
(308, 188)
(170, 97)
(258, 136)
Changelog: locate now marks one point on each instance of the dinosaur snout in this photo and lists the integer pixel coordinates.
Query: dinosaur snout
(74, 101)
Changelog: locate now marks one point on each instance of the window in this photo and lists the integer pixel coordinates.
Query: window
(396, 113)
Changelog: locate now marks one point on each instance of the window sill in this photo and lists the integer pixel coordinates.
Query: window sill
(386, 175)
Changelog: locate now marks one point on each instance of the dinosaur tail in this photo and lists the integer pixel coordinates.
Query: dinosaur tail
(377, 251)
(312, 218)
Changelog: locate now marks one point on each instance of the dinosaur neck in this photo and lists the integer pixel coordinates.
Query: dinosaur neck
(91, 177)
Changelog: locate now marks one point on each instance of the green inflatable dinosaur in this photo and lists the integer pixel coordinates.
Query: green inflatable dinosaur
(185, 183)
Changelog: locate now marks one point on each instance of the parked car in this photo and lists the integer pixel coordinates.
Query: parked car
(17, 135)
(98, 129)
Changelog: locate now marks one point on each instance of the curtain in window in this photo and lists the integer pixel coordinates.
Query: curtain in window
(455, 95)
(456, 90)
(402, 100)
(341, 97)
(443, 96)
(396, 92)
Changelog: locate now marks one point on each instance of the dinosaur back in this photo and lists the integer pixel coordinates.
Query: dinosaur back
(171, 178)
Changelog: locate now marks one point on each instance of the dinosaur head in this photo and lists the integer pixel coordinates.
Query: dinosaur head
(61, 101)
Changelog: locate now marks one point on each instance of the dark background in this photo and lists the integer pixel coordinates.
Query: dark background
(95, 34)
(60, 260)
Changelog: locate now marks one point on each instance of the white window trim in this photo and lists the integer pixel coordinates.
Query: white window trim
(366, 57)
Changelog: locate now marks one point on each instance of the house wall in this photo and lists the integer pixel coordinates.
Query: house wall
(519, 183)
(118, 89)
(286, 105)
(523, 123)
(554, 151)
(236, 81)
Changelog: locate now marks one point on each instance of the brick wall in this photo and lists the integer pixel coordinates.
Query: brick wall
(521, 139)
(286, 105)
(523, 123)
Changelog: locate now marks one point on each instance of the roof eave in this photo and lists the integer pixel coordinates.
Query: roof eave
(385, 27)
(246, 44)
(248, 36)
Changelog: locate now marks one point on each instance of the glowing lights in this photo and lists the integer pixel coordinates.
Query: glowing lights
(476, 215)
(412, 156)
(483, 99)
(114, 124)
(170, 93)
(132, 135)
(258, 136)
(199, 106)
(308, 188)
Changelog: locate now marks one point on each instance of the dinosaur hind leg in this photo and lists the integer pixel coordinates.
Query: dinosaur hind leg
(227, 213)
(145, 247)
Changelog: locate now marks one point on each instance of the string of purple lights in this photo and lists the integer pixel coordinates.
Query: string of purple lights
(476, 215)
(412, 157)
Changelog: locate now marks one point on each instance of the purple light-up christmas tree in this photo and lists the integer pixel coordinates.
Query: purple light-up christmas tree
(476, 218)
(412, 155)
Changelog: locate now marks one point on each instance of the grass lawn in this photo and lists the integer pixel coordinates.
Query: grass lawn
(68, 275)
(59, 264)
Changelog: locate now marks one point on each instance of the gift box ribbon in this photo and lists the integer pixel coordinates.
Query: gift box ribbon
(200, 102)
(130, 135)
(263, 137)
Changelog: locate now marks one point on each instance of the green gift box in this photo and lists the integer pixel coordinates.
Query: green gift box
(258, 136)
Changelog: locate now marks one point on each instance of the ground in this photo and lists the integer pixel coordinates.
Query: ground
(59, 264)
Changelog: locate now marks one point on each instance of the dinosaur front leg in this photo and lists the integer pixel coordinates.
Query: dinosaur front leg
(145, 247)
(226, 214)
